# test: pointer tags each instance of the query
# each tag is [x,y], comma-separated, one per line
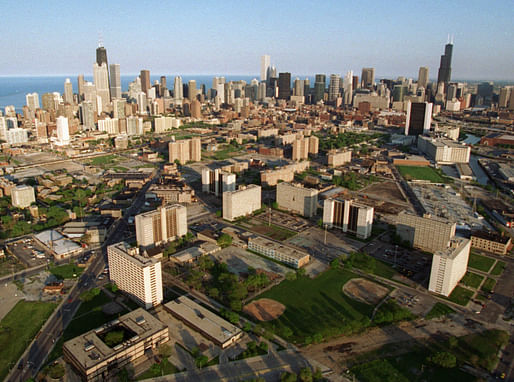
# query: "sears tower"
[101,55]
[445,69]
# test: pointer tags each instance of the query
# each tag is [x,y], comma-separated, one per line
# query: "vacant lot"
[18,328]
[317,308]
[273,231]
[67,271]
[388,191]
[439,310]
[420,173]
[482,263]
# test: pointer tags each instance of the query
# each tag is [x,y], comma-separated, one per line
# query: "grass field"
[439,310]
[498,268]
[273,231]
[66,271]
[317,307]
[420,173]
[488,285]
[158,370]
[107,159]
[460,296]
[472,280]
[482,263]
[18,328]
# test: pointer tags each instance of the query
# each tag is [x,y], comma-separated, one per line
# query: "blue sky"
[302,37]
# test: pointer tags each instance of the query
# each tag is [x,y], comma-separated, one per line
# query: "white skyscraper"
[142,103]
[265,64]
[63,131]
[101,78]
[68,91]
[32,100]
[178,92]
[115,81]
[333,87]
[348,88]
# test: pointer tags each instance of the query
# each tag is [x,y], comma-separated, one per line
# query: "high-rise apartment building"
[368,77]
[297,199]
[22,196]
[319,87]
[445,67]
[265,64]
[217,181]
[63,131]
[449,266]
[87,115]
[178,91]
[423,77]
[115,81]
[419,118]
[139,276]
[333,87]
[32,100]
[301,148]
[145,81]
[164,224]
[68,91]
[185,150]
[241,202]
[284,86]
[348,215]
[427,233]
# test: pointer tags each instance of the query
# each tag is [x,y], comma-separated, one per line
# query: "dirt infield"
[265,309]
[365,291]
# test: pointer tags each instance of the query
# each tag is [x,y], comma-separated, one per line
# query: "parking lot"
[294,223]
[28,252]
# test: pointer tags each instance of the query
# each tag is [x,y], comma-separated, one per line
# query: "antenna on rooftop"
[100,40]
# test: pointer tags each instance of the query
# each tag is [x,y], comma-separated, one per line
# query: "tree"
[334,264]
[224,240]
[287,332]
[56,371]
[165,350]
[300,272]
[443,359]
[113,338]
[288,377]
[306,375]
[290,276]
[201,361]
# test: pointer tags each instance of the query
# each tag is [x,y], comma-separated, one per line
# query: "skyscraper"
[63,131]
[32,101]
[145,81]
[333,87]
[419,118]
[101,78]
[115,81]
[423,77]
[284,85]
[348,88]
[68,91]
[191,90]
[368,77]
[445,68]
[80,82]
[161,225]
[163,90]
[265,64]
[178,89]
[101,55]
[319,87]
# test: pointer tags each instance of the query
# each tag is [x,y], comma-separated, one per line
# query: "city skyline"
[333,39]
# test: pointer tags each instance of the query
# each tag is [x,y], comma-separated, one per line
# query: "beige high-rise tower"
[161,225]
[186,150]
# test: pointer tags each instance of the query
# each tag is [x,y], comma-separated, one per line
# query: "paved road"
[35,355]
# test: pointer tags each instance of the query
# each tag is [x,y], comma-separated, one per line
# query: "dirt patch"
[265,309]
[387,191]
[365,291]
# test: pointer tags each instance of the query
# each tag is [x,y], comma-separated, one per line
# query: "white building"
[449,266]
[134,125]
[32,100]
[349,216]
[16,136]
[109,125]
[68,91]
[178,92]
[22,196]
[265,64]
[139,276]
[63,131]
[241,202]
[101,79]
[163,124]
[444,150]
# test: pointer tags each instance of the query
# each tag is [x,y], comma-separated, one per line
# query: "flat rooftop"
[132,254]
[89,349]
[204,320]
[283,249]
[455,249]
[491,236]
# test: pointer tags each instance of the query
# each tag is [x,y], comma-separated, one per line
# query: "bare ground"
[365,291]
[265,309]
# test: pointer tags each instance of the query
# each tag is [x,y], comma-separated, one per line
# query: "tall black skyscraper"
[284,86]
[319,87]
[445,69]
[101,55]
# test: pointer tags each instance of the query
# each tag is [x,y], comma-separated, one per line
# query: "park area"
[482,263]
[18,328]
[316,309]
[421,173]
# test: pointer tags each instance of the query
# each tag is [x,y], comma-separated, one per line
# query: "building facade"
[241,202]
[298,199]
[285,254]
[491,242]
[164,224]
[22,196]
[187,150]
[348,215]
[217,181]
[338,158]
[444,150]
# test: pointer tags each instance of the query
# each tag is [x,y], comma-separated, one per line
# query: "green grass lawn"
[498,268]
[488,285]
[420,173]
[317,307]
[18,328]
[481,350]
[369,264]
[439,310]
[66,271]
[482,263]
[460,296]
[158,370]
[472,280]
[274,231]
[103,160]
